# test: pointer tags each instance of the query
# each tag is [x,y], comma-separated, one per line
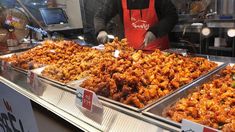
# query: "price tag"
[189,126]
[5,66]
[88,100]
[36,85]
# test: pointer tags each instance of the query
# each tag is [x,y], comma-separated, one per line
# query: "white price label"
[88,100]
[189,126]
[35,84]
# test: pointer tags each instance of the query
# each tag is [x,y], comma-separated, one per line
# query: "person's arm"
[104,15]
[167,16]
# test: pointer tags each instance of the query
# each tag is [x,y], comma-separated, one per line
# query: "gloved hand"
[149,37]
[102,37]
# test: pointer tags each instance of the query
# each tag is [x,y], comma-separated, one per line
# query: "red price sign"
[87,100]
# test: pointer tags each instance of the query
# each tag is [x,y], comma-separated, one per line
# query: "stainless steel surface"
[71,85]
[61,101]
[48,105]
[226,7]
[222,59]
[220,23]
[38,71]
[14,67]
[156,111]
[6,55]
[187,28]
[19,69]
[9,55]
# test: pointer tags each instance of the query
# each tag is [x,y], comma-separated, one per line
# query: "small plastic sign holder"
[87,99]
[36,86]
[189,126]
[5,66]
[89,104]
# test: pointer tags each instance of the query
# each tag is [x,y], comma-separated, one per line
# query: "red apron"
[135,26]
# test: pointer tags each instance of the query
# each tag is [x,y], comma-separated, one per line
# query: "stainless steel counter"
[61,101]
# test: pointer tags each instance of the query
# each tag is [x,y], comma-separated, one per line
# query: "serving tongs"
[182,52]
[142,46]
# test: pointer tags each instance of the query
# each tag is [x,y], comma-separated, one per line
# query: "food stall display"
[133,77]
[105,87]
[80,64]
[211,105]
[138,79]
[123,77]
[49,52]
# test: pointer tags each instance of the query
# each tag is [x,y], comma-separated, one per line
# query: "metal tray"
[13,66]
[71,84]
[6,55]
[119,104]
[157,111]
[38,71]
[76,84]
[19,69]
[9,55]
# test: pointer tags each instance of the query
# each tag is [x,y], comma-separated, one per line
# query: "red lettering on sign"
[87,99]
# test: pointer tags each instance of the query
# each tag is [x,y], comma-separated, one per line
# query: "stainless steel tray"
[19,53]
[6,55]
[71,84]
[119,104]
[13,66]
[38,71]
[156,111]
[19,69]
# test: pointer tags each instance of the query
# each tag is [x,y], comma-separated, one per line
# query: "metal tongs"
[142,46]
[39,30]
[182,52]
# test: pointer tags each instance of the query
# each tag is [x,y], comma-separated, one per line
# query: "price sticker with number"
[87,99]
[189,126]
[36,86]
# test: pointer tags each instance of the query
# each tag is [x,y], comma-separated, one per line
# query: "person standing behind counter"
[146,22]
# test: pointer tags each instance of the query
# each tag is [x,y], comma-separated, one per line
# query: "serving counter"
[60,100]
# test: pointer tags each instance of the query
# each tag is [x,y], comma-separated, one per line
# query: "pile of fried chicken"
[213,104]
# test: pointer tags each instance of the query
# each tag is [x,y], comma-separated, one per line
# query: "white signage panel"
[16,114]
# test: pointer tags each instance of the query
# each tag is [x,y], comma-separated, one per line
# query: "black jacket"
[166,12]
